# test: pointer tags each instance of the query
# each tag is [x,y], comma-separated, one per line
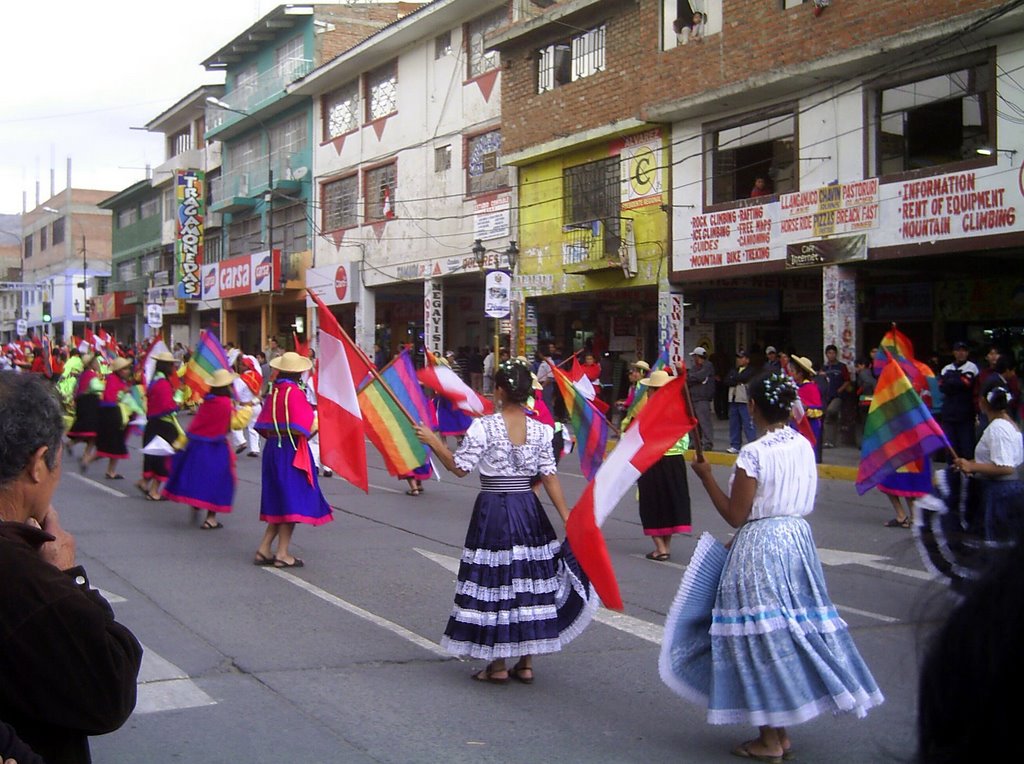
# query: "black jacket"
[68,668]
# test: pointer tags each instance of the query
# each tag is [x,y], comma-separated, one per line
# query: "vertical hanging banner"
[433,316]
[190,194]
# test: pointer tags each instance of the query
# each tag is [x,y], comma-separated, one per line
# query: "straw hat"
[87,359]
[163,355]
[222,378]
[536,382]
[119,363]
[804,363]
[291,362]
[643,366]
[660,378]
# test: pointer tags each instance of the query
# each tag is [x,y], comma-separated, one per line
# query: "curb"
[825,471]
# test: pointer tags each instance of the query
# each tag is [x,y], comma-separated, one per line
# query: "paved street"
[338,661]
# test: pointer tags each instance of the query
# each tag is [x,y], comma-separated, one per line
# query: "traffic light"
[47,312]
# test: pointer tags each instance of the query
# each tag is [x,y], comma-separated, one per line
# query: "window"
[442,158]
[382,91]
[483,163]
[27,244]
[57,232]
[244,236]
[149,208]
[443,45]
[340,203]
[739,154]
[591,191]
[151,263]
[678,20]
[245,84]
[179,143]
[569,60]
[42,239]
[288,138]
[932,120]
[126,270]
[213,247]
[170,204]
[341,110]
[288,59]
[481,60]
[792,3]
[379,185]
[291,229]
[127,217]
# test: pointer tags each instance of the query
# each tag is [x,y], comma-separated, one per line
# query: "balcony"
[241,189]
[595,245]
[262,93]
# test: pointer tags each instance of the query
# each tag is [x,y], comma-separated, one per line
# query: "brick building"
[886,142]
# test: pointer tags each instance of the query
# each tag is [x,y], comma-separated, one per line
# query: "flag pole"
[698,446]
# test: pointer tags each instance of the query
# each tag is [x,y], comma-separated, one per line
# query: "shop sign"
[642,169]
[336,284]
[154,315]
[491,216]
[810,254]
[190,195]
[734,237]
[433,315]
[210,282]
[834,209]
[248,274]
[498,294]
[107,307]
[530,336]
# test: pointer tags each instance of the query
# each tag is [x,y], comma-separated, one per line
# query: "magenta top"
[114,387]
[286,409]
[84,380]
[213,419]
[160,398]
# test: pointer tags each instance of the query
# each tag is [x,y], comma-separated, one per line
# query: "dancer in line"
[203,474]
[779,652]
[116,408]
[161,422]
[87,409]
[519,592]
[291,491]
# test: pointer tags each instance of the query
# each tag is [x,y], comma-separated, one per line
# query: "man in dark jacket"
[68,668]
[701,382]
[957,382]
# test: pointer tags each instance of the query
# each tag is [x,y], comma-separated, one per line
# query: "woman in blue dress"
[291,492]
[779,652]
[520,592]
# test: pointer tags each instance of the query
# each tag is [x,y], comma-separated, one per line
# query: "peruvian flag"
[659,425]
[387,208]
[582,382]
[802,422]
[446,383]
[342,434]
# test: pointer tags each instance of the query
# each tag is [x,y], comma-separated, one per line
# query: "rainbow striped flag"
[640,397]
[400,376]
[588,423]
[207,358]
[899,429]
[389,423]
[922,378]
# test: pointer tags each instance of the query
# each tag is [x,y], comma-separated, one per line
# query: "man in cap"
[701,382]
[957,381]
[772,362]
[740,423]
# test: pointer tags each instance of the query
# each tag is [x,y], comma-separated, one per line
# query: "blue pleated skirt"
[519,592]
[780,653]
[288,496]
[203,474]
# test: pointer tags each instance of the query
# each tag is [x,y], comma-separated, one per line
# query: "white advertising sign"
[498,294]
[154,315]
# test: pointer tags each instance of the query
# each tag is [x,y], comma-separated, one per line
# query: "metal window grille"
[380,185]
[591,191]
[485,171]
[569,60]
[382,91]
[588,53]
[342,109]
[340,203]
[481,60]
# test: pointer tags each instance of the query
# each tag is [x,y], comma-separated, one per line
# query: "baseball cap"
[699,351]
[770,349]
[960,345]
[741,354]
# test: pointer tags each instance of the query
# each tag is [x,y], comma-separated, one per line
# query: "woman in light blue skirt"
[777,652]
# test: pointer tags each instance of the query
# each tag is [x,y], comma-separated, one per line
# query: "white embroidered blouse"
[486,445]
[782,463]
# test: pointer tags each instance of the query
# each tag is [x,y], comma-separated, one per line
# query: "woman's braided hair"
[774,394]
[514,377]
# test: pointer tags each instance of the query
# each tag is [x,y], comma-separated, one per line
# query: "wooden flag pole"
[698,446]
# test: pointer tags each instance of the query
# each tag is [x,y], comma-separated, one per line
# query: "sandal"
[295,563]
[412,492]
[262,560]
[894,523]
[658,557]
[114,477]
[208,526]
[486,675]
[744,752]
[517,674]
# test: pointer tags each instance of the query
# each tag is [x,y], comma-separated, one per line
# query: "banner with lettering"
[190,194]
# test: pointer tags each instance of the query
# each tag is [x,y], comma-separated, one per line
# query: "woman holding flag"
[519,592]
[291,492]
[776,653]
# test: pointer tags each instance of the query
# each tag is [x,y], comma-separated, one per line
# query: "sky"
[77,76]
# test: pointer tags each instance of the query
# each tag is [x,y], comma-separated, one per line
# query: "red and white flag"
[149,365]
[446,383]
[659,425]
[803,422]
[342,434]
[387,208]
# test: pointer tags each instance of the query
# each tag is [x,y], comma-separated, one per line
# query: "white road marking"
[877,562]
[96,484]
[663,563]
[366,615]
[637,627]
[868,614]
[163,686]
[386,488]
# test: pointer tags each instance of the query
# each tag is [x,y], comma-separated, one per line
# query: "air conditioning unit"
[627,250]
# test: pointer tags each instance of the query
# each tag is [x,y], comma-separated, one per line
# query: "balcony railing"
[257,93]
[592,245]
[251,179]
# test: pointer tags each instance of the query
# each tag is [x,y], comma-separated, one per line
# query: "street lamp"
[85,265]
[268,198]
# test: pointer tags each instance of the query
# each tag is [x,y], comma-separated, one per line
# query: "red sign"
[235,276]
[341,282]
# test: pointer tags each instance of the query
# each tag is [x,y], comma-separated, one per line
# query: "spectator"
[772,361]
[835,377]
[864,383]
[760,187]
[379,356]
[69,669]
[274,350]
[957,382]
[740,423]
[690,31]
[720,362]
[701,382]
[488,373]
[475,367]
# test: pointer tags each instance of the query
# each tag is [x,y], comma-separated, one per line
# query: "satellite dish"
[299,173]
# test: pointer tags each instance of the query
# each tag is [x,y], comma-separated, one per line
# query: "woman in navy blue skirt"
[520,592]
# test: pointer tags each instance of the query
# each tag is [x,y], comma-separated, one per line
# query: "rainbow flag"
[899,429]
[207,358]
[588,423]
[388,422]
[640,398]
[896,344]
[400,376]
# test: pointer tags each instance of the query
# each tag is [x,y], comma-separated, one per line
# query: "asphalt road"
[339,662]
